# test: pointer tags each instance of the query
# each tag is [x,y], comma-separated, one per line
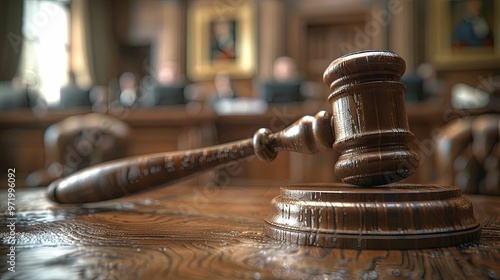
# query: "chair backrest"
[72,96]
[81,141]
[12,98]
[468,154]
[78,142]
[169,95]
[282,92]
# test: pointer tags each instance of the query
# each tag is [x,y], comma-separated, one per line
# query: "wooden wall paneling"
[398,19]
[271,34]
[318,33]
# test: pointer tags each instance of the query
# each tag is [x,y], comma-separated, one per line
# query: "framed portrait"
[464,34]
[221,37]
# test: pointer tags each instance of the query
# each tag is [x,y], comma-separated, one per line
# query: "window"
[44,58]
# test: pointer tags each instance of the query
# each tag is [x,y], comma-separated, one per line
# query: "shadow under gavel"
[368,126]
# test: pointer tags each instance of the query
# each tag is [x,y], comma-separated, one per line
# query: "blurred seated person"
[286,85]
[167,90]
[414,87]
[423,83]
[225,101]
[71,95]
[223,86]
[432,85]
[223,89]
[14,95]
[99,99]
[129,90]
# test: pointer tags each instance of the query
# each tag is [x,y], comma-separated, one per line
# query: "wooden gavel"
[369,127]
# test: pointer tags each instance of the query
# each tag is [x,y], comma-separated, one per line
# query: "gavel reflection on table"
[368,126]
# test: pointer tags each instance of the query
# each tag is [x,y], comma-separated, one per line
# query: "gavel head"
[370,122]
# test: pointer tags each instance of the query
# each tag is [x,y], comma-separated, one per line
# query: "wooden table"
[211,232]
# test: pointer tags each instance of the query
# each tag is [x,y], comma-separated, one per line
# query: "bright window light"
[44,59]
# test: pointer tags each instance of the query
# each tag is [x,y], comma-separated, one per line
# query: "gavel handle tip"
[51,191]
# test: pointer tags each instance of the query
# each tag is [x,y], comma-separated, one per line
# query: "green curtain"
[11,16]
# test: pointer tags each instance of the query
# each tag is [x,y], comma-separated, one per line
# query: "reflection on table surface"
[207,232]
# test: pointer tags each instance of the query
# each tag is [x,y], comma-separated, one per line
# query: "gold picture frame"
[221,37]
[453,44]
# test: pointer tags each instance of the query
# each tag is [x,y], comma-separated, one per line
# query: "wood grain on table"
[212,232]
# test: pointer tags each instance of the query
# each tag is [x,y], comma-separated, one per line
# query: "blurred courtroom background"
[163,75]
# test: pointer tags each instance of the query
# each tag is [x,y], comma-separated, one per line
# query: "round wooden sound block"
[400,216]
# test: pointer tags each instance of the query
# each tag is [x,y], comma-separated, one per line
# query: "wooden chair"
[468,154]
[78,142]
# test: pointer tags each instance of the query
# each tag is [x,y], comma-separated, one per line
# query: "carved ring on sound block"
[399,216]
[372,136]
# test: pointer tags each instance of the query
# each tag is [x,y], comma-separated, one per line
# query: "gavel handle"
[136,174]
